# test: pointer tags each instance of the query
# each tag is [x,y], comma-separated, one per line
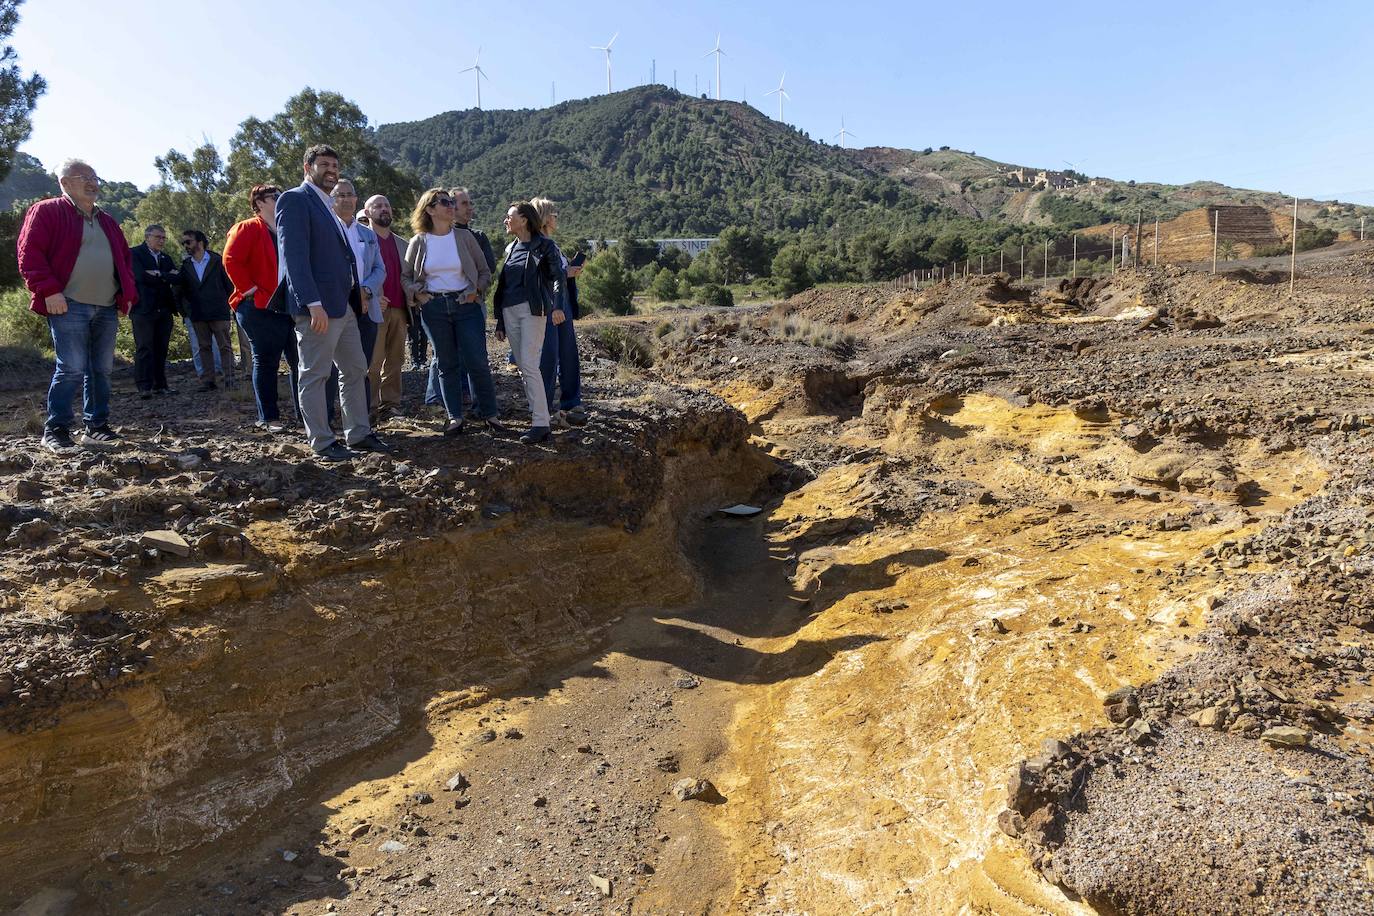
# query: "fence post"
[1216,230]
[1075,256]
[1047,259]
[1023,262]
[1135,255]
[1156,241]
[1113,258]
[982,258]
[1293,253]
[1001,262]
[1361,228]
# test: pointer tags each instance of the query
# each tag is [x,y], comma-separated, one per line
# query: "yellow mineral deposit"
[874,785]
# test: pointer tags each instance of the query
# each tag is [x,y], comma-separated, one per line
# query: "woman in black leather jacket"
[530,286]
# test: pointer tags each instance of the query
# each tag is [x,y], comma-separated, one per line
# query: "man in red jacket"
[77,267]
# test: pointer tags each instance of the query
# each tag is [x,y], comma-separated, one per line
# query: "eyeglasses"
[444,202]
[86,179]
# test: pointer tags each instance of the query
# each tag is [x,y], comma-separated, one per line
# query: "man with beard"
[389,353]
[323,295]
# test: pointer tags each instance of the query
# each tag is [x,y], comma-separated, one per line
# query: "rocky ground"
[1057,600]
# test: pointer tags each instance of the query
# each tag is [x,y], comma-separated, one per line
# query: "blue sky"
[1265,94]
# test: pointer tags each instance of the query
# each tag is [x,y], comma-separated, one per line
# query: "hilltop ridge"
[654,161]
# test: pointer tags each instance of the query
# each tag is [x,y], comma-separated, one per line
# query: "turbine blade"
[613,38]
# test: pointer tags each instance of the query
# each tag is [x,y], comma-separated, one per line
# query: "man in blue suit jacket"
[320,277]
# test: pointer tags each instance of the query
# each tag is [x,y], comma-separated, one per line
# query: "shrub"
[624,344]
[665,286]
[1315,238]
[713,294]
[606,284]
[791,274]
[20,327]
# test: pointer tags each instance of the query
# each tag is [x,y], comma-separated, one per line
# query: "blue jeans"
[458,333]
[432,395]
[195,350]
[559,357]
[273,335]
[83,338]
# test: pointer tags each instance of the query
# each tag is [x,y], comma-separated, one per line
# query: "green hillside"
[651,161]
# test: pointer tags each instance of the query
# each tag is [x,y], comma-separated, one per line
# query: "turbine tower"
[607,49]
[844,133]
[478,74]
[717,52]
[781,93]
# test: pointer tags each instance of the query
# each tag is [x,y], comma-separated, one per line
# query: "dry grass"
[812,334]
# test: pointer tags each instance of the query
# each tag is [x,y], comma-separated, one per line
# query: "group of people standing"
[313,280]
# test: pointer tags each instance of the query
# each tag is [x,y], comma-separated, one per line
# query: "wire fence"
[1228,234]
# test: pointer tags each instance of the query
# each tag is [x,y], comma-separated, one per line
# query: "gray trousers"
[212,336]
[339,346]
[526,335]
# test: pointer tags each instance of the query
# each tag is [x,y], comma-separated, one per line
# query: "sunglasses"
[442,202]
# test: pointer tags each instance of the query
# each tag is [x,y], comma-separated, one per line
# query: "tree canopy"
[18,93]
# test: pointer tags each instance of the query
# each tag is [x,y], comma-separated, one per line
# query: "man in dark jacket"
[153,317]
[205,291]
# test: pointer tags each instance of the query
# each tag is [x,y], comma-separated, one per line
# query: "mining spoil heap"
[1057,601]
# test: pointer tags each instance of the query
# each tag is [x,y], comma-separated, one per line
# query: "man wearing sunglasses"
[77,267]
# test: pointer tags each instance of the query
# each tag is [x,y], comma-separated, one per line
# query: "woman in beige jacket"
[445,271]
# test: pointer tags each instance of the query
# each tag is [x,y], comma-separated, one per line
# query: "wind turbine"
[607,49]
[717,52]
[478,74]
[781,93]
[844,133]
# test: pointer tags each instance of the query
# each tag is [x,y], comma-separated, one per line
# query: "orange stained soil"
[873,785]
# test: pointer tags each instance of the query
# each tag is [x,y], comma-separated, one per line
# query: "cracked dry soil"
[1058,602]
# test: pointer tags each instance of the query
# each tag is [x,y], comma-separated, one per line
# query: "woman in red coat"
[250,259]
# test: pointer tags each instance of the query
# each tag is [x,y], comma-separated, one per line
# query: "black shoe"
[535,435]
[575,416]
[164,392]
[335,451]
[370,443]
[208,385]
[144,394]
[99,435]
[455,427]
[493,426]
[57,440]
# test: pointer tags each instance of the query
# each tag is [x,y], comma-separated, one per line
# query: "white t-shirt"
[444,264]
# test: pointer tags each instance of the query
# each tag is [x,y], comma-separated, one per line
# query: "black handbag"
[278,301]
